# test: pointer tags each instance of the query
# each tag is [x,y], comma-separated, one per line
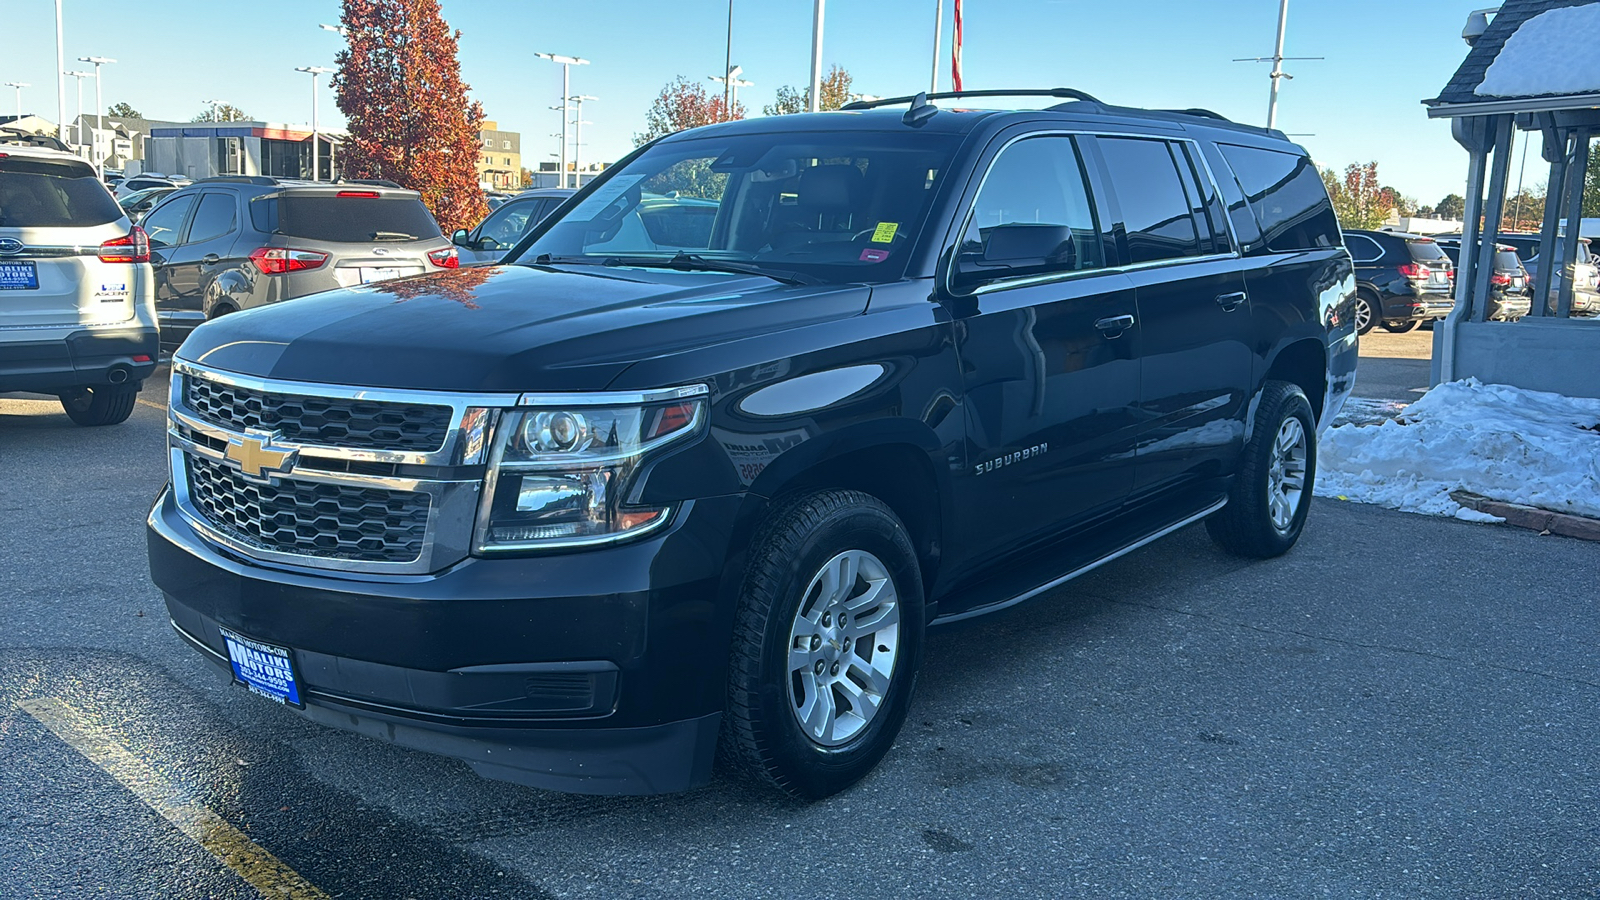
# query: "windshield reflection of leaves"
[458,286]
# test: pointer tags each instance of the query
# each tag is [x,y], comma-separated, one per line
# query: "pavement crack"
[1410,651]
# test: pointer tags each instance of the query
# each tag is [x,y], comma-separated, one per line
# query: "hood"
[507,328]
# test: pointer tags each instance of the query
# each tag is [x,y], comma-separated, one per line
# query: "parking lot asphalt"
[1400,707]
[1394,366]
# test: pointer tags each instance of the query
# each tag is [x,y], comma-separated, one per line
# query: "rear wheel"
[101,404]
[1271,495]
[826,644]
[1402,327]
[1366,312]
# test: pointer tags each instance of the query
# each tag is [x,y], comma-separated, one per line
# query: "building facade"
[204,149]
[499,158]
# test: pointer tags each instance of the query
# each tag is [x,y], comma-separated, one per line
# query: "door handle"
[1114,326]
[211,259]
[1231,302]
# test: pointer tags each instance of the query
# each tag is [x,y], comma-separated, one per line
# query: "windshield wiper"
[689,262]
[392,236]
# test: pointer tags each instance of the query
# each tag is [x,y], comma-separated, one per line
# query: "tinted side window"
[1288,197]
[1210,208]
[213,219]
[164,222]
[1033,214]
[1362,248]
[1155,209]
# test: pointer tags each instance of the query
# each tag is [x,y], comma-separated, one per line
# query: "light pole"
[340,30]
[567,62]
[99,110]
[61,79]
[316,154]
[1277,58]
[730,90]
[816,58]
[19,85]
[577,139]
[80,76]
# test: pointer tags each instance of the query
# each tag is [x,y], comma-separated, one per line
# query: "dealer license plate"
[370,274]
[263,668]
[18,276]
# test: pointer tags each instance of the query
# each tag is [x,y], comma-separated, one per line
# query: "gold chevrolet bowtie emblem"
[256,459]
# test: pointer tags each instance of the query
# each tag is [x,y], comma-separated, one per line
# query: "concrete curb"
[1531,517]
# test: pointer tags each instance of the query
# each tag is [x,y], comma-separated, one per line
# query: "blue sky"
[1361,103]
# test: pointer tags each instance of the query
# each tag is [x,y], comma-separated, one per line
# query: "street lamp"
[577,139]
[19,85]
[80,76]
[99,110]
[316,154]
[731,83]
[214,104]
[566,62]
[337,29]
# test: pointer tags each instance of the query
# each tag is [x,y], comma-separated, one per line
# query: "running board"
[1083,569]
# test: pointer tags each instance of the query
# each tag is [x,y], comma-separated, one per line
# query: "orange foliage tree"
[685,104]
[400,89]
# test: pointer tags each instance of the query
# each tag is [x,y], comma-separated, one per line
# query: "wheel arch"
[1303,362]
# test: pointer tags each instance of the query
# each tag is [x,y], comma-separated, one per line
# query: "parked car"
[149,180]
[1509,291]
[585,517]
[240,241]
[76,313]
[501,229]
[1584,273]
[1402,280]
[138,203]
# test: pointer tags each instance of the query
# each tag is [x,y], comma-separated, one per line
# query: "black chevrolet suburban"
[644,497]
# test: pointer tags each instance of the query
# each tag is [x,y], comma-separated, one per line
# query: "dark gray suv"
[241,241]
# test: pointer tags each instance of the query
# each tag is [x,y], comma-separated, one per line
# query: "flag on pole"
[955,55]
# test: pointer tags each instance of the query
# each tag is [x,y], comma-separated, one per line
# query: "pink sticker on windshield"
[871,255]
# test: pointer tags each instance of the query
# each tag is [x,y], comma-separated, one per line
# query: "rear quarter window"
[1507,259]
[346,220]
[1287,195]
[42,193]
[1425,251]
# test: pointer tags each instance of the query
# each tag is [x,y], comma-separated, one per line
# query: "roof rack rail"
[18,137]
[237,179]
[1197,111]
[1063,93]
[374,182]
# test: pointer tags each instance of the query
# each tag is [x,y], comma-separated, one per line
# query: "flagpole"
[814,101]
[938,41]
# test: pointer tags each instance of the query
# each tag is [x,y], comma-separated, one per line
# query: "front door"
[1047,339]
[164,227]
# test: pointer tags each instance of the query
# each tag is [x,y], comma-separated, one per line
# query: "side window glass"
[1033,216]
[505,225]
[1288,197]
[214,218]
[164,221]
[1209,211]
[1156,212]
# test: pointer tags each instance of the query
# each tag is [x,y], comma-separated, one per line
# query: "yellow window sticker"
[884,233]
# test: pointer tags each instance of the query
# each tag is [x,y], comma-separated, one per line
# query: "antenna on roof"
[921,110]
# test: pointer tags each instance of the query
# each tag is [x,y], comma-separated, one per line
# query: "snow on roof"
[1551,53]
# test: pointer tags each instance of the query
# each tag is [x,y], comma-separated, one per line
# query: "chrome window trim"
[1031,280]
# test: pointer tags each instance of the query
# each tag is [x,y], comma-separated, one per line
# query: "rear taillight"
[1500,278]
[1414,270]
[446,258]
[135,248]
[278,260]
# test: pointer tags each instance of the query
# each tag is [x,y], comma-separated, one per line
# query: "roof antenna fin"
[921,110]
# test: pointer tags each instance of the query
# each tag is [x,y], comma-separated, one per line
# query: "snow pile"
[1551,53]
[1505,443]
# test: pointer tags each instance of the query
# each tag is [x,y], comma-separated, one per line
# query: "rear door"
[54,214]
[1047,349]
[207,246]
[164,227]
[1194,313]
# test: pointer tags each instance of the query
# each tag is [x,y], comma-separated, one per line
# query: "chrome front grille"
[320,476]
[326,521]
[334,421]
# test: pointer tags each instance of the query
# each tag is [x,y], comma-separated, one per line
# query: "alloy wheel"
[1363,314]
[1286,475]
[842,647]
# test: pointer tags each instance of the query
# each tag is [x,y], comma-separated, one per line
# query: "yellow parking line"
[152,404]
[244,856]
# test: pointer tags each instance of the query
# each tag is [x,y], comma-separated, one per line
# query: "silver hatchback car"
[236,242]
[76,313]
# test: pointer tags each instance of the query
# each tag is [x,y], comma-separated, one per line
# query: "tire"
[1265,514]
[787,728]
[1366,313]
[1402,327]
[100,405]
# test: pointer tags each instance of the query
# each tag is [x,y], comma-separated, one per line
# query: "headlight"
[561,469]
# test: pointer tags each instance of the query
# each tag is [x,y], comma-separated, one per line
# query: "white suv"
[77,295]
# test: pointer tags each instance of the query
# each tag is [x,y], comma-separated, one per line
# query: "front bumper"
[600,671]
[83,358]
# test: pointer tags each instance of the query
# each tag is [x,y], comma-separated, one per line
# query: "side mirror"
[1017,249]
[460,237]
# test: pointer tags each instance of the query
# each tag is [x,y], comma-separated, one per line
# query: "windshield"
[45,193]
[834,207]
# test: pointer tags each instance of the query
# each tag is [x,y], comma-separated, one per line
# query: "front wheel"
[826,644]
[100,405]
[1271,495]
